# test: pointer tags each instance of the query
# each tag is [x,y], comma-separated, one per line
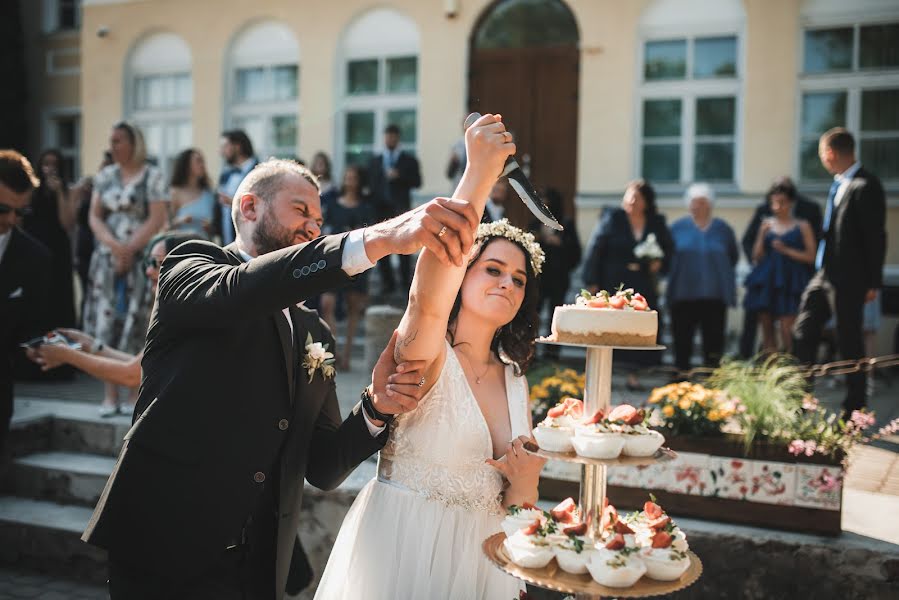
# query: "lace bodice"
[438,450]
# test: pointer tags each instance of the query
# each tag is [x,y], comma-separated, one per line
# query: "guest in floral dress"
[128,206]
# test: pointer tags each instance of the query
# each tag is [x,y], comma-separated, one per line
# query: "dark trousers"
[709,316]
[819,301]
[748,336]
[6,396]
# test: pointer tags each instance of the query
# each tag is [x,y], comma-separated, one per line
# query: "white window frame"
[51,139]
[852,82]
[688,90]
[266,109]
[380,103]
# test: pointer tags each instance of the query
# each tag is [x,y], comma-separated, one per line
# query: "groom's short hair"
[266,179]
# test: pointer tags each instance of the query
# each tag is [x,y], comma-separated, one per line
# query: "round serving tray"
[661,455]
[551,577]
[546,340]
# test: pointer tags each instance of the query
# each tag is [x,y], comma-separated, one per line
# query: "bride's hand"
[397,388]
[521,468]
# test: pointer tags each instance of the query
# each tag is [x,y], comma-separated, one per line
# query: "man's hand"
[445,226]
[396,388]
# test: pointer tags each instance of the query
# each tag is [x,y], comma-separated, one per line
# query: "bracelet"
[369,407]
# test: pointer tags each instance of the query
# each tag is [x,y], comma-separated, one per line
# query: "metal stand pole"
[597,395]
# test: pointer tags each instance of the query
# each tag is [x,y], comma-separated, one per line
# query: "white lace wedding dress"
[415,532]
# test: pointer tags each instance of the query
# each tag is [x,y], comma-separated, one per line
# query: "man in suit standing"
[24,276]
[205,496]
[849,262]
[804,208]
[393,175]
[236,150]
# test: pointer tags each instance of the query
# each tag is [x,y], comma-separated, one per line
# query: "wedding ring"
[442,231]
[421,382]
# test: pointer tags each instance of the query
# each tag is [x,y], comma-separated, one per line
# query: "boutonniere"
[318,357]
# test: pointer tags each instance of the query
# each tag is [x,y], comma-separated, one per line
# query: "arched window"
[263,88]
[379,84]
[850,78]
[160,95]
[526,24]
[690,91]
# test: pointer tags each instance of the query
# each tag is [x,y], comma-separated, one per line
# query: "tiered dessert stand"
[597,395]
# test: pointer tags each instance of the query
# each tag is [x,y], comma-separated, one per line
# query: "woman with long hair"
[451,465]
[193,203]
[128,207]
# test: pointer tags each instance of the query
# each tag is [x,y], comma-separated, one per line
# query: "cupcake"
[652,521]
[597,438]
[664,563]
[529,547]
[639,440]
[554,433]
[519,517]
[573,549]
[617,564]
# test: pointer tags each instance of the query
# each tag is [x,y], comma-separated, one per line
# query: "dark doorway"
[525,66]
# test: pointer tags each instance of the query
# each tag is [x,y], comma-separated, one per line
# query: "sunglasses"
[5,209]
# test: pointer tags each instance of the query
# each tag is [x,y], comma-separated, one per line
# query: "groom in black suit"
[849,260]
[204,501]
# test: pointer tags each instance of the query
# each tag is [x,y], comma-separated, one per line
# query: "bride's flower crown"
[503,228]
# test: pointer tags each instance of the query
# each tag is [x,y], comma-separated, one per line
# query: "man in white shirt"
[236,150]
[849,261]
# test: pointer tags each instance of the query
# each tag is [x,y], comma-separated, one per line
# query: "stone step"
[72,427]
[46,537]
[66,477]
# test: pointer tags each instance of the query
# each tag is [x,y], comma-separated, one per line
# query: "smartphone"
[33,343]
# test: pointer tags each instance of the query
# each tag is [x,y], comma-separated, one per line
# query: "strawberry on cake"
[529,547]
[604,319]
[555,431]
[519,517]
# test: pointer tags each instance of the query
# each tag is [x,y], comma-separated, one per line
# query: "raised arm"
[423,328]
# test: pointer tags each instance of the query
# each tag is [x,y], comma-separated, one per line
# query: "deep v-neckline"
[485,427]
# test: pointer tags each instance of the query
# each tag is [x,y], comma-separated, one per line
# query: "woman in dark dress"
[783,255]
[563,253]
[350,210]
[611,260]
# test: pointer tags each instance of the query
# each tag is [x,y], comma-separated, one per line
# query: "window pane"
[284,132]
[251,85]
[402,75]
[362,77]
[358,157]
[661,118]
[828,50]
[68,13]
[809,163]
[254,127]
[714,162]
[715,116]
[715,57]
[360,128]
[880,110]
[153,139]
[879,46]
[882,157]
[183,92]
[285,82]
[405,120]
[661,162]
[66,133]
[665,60]
[527,24]
[821,111]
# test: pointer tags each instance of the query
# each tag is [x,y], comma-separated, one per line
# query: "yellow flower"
[685,403]
[714,415]
[668,411]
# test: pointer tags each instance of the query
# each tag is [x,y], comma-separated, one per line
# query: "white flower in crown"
[318,358]
[503,228]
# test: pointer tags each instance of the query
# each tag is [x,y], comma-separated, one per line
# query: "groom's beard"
[270,235]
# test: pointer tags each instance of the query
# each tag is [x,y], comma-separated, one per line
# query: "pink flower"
[810,447]
[861,419]
[828,482]
[796,447]
[890,428]
[810,403]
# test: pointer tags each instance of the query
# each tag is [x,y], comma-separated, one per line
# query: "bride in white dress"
[452,464]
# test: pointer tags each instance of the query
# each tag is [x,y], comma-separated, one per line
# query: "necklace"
[477,378]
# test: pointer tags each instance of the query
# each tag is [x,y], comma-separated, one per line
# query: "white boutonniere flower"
[318,358]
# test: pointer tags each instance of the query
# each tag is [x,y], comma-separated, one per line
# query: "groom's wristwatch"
[373,413]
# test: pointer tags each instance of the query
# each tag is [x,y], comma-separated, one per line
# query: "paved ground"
[15,584]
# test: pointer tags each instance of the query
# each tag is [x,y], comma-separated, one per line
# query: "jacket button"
[297,273]
[259,477]
[313,267]
[283,424]
[305,270]
[322,264]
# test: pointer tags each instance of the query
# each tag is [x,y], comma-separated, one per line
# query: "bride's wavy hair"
[516,338]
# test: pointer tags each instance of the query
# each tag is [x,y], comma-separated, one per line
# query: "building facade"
[598,92]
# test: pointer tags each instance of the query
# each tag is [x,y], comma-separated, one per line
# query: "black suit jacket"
[856,240]
[24,292]
[223,405]
[805,209]
[393,197]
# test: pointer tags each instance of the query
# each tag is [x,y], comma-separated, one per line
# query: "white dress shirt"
[845,178]
[4,242]
[354,260]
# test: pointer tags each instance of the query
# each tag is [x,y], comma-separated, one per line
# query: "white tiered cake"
[623,319]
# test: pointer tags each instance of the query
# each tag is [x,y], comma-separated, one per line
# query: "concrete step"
[46,537]
[73,427]
[66,477]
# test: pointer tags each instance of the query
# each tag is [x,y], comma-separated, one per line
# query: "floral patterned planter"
[713,478]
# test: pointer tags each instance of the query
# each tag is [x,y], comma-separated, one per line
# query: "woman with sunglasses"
[96,358]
